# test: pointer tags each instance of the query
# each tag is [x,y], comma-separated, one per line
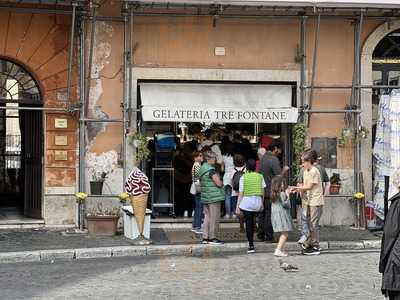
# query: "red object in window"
[266,140]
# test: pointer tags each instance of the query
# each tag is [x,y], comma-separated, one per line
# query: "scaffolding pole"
[82,94]
[357,102]
[314,64]
[49,109]
[359,86]
[90,57]
[303,61]
[125,91]
[71,53]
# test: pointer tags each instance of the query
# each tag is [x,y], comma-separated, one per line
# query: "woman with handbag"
[195,191]
[250,201]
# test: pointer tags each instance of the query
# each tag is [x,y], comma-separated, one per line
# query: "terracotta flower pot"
[334,189]
[102,225]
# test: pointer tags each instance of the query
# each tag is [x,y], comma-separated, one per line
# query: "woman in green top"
[212,194]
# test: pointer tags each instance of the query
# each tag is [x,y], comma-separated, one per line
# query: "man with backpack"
[270,166]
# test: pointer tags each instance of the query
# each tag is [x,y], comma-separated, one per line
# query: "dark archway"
[21,140]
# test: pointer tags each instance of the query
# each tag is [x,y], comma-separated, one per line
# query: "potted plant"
[101,221]
[335,181]
[100,167]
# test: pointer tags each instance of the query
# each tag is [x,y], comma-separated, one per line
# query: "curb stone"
[166,250]
[59,254]
[84,253]
[121,251]
[16,257]
[345,245]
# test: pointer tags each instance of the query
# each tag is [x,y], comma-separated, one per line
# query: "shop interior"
[169,168]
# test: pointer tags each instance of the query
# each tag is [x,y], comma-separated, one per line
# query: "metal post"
[356,100]
[303,61]
[386,198]
[314,65]
[124,97]
[82,143]
[130,66]
[71,53]
[90,58]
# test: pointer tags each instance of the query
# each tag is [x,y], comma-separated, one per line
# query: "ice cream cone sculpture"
[138,187]
[139,205]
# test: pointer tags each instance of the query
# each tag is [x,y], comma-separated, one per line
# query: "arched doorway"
[21,142]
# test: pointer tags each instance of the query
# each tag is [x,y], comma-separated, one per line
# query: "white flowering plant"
[100,166]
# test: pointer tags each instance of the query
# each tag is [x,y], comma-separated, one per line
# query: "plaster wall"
[189,43]
[39,42]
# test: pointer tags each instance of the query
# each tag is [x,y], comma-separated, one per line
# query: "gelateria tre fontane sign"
[217,102]
[220,115]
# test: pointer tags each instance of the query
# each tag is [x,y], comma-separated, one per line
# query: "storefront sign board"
[219,115]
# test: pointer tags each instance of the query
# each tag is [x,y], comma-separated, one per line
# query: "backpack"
[236,179]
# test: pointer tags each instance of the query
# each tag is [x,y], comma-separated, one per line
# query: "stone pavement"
[341,276]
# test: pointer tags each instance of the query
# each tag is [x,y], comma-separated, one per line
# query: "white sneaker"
[227,216]
[185,214]
[302,239]
[280,253]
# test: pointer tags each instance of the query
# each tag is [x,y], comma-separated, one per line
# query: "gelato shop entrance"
[180,119]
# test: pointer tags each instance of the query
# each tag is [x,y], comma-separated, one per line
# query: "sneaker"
[302,239]
[198,231]
[205,241]
[227,216]
[280,253]
[215,242]
[185,214]
[312,251]
[251,250]
[193,230]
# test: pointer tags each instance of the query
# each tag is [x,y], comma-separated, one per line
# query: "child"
[195,191]
[312,203]
[250,202]
[280,213]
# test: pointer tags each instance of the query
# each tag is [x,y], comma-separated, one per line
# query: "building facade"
[327,55]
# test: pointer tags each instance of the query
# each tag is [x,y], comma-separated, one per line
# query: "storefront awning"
[217,103]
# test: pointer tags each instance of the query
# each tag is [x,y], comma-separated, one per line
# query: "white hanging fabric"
[386,148]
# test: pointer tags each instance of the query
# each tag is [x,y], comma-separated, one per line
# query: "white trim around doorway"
[366,98]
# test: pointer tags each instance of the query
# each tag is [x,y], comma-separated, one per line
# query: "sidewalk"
[48,245]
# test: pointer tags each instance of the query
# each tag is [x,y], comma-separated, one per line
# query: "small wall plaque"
[61,140]
[61,123]
[61,155]
[219,51]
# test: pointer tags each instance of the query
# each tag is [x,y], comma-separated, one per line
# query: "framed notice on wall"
[61,140]
[60,123]
[61,155]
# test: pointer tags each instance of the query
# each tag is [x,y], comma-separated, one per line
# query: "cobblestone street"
[333,275]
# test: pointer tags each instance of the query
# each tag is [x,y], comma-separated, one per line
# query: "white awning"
[217,103]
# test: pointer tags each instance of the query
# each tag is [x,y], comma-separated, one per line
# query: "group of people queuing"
[253,188]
